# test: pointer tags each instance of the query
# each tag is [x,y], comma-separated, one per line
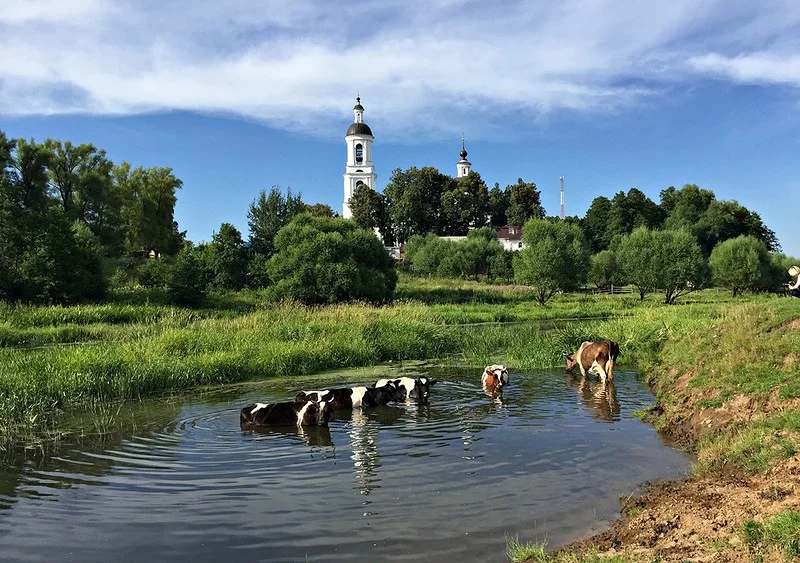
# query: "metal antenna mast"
[562,196]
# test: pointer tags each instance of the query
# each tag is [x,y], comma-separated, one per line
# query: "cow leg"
[599,369]
[610,369]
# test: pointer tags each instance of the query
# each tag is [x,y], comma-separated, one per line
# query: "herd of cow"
[314,408]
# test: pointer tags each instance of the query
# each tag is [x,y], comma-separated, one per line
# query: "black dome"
[463,153]
[358,107]
[359,129]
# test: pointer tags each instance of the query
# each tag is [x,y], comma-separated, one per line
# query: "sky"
[237,96]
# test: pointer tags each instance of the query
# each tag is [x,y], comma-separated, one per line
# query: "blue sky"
[240,95]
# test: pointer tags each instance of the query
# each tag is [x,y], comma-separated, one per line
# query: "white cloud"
[420,66]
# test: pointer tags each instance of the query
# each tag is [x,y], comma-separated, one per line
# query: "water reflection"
[181,480]
[602,399]
[309,435]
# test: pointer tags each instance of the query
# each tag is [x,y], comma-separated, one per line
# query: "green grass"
[780,533]
[536,552]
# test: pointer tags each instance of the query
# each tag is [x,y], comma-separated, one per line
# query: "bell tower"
[463,166]
[359,168]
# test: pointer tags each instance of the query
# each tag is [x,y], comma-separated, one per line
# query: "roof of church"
[359,129]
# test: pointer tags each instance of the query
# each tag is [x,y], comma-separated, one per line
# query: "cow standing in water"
[597,357]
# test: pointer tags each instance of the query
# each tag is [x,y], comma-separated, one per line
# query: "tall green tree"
[228,258]
[604,271]
[499,200]
[414,199]
[555,258]
[81,179]
[724,220]
[632,210]
[670,261]
[369,212]
[465,205]
[740,264]
[685,207]
[595,224]
[45,258]
[148,197]
[524,203]
[322,260]
[268,214]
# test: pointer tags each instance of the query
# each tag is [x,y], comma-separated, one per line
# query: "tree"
[45,258]
[369,212]
[228,259]
[662,260]
[524,203]
[604,271]
[186,284]
[318,209]
[414,199]
[148,197]
[555,258]
[322,260]
[632,210]
[740,264]
[424,254]
[724,220]
[268,214]
[595,224]
[81,178]
[499,200]
[685,207]
[465,204]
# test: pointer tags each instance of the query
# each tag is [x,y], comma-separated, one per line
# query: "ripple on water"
[457,475]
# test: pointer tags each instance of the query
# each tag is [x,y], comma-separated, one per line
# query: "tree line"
[67,212]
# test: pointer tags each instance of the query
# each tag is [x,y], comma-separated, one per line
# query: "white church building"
[360,169]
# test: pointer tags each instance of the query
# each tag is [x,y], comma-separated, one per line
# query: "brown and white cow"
[595,356]
[494,377]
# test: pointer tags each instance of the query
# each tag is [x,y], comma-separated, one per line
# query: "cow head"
[390,393]
[423,386]
[571,362]
[315,396]
[316,414]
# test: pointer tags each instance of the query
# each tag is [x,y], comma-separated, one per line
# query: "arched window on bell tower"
[359,153]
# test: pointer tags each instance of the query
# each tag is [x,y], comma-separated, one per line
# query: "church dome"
[463,153]
[359,129]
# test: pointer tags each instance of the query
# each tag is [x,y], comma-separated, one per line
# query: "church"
[360,169]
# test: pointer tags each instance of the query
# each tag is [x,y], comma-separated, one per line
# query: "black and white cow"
[309,413]
[408,387]
[352,397]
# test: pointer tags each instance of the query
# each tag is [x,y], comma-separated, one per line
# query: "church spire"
[463,166]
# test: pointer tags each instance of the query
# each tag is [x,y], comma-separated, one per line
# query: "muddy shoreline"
[700,518]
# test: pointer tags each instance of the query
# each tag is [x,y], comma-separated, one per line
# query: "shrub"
[330,260]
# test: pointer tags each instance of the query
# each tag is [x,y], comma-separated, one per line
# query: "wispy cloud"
[422,67]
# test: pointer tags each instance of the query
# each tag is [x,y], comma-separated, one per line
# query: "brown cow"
[595,356]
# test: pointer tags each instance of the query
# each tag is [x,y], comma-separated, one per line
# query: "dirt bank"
[703,517]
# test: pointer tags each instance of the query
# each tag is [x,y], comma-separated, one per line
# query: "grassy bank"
[54,359]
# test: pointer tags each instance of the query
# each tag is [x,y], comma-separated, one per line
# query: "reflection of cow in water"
[310,435]
[602,398]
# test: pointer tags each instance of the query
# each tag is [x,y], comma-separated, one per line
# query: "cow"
[352,397]
[409,388]
[310,413]
[595,356]
[494,377]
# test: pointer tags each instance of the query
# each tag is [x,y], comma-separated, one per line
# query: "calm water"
[179,480]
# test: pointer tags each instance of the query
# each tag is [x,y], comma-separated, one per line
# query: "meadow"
[59,359]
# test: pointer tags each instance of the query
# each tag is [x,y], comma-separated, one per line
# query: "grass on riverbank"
[780,534]
[518,552]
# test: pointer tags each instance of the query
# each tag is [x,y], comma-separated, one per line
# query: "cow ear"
[431,381]
[301,397]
